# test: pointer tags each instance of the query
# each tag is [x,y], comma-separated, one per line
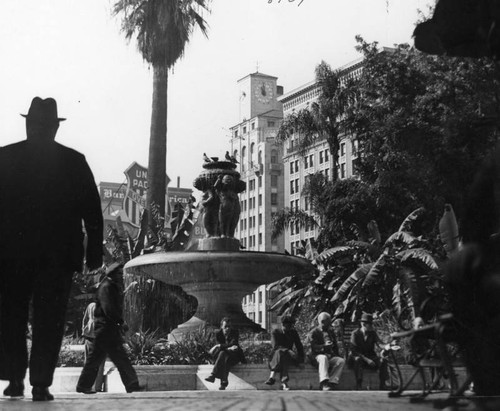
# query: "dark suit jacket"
[316,339]
[46,190]
[232,339]
[364,347]
[288,339]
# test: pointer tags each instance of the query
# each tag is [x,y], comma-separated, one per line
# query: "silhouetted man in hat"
[46,191]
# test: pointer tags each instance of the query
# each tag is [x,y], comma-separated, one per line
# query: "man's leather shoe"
[325,385]
[210,378]
[41,394]
[15,389]
[135,388]
[270,381]
[85,390]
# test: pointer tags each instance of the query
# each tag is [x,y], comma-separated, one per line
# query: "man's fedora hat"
[43,111]
[366,318]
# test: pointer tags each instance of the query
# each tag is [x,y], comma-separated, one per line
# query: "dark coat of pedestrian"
[284,341]
[227,352]
[109,329]
[47,195]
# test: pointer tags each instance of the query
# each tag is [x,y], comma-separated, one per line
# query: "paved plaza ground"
[226,400]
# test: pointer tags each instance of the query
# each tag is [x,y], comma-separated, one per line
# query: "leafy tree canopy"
[424,124]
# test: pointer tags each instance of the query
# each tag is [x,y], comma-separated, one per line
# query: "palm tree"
[162,29]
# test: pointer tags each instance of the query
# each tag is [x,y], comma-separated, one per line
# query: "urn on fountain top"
[221,184]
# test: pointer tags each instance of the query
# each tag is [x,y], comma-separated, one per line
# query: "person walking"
[283,341]
[324,353]
[109,327]
[88,332]
[46,191]
[227,352]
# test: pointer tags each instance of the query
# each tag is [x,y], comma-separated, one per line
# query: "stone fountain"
[218,274]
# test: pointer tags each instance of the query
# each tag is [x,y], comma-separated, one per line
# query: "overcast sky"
[73,50]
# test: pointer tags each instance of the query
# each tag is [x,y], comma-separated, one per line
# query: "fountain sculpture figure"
[218,274]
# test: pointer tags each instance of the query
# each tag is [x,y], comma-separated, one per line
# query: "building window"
[244,129]
[355,148]
[260,199]
[274,181]
[297,185]
[260,219]
[311,162]
[306,203]
[260,317]
[327,172]
[342,170]
[260,238]
[253,126]
[271,123]
[291,204]
[306,162]
[321,157]
[296,166]
[291,167]
[260,181]
[326,155]
[292,229]
[274,198]
[274,156]
[342,150]
[236,134]
[291,187]
[252,185]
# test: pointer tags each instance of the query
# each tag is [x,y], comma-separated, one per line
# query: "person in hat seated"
[108,329]
[227,352]
[283,341]
[324,353]
[47,191]
[363,342]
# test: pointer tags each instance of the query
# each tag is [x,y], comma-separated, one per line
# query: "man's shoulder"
[69,151]
[10,148]
[356,331]
[315,331]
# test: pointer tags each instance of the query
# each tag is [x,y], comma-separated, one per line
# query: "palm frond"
[399,236]
[419,255]
[410,220]
[353,279]
[334,253]
[376,271]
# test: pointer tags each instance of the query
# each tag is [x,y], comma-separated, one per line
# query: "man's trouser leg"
[96,356]
[323,365]
[50,299]
[99,380]
[119,357]
[337,365]
[16,289]
[357,363]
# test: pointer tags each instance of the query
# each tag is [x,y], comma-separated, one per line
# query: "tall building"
[253,143]
[317,158]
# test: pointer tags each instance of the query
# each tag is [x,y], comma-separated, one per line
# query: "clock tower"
[257,95]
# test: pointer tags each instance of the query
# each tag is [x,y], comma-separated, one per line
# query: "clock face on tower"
[263,91]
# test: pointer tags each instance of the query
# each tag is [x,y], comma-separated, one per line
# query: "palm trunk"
[158,143]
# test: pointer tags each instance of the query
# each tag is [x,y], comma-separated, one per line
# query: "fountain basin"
[218,279]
